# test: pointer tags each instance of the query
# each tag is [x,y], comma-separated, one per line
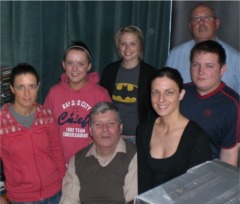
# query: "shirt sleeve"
[105,96]
[230,129]
[57,148]
[130,183]
[71,186]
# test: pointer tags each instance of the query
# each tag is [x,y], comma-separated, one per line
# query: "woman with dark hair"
[169,144]
[30,148]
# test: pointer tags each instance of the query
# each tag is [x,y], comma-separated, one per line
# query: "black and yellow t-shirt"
[125,97]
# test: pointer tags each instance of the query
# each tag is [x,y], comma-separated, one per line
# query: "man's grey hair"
[103,107]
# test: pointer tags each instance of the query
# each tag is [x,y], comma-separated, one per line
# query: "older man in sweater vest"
[105,171]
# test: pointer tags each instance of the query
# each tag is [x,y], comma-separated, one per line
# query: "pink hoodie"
[71,109]
[32,157]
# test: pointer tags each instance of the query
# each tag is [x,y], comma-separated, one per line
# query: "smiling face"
[165,96]
[206,72]
[105,130]
[76,66]
[129,47]
[25,89]
[204,29]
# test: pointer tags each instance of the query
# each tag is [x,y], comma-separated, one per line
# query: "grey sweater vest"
[103,185]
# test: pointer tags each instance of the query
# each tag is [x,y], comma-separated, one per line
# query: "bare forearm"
[230,155]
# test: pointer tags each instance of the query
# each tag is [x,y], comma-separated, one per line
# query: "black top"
[193,149]
[146,71]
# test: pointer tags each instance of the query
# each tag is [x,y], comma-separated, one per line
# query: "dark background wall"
[38,32]
[227,11]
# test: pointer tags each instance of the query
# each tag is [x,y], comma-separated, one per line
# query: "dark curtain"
[37,32]
[227,11]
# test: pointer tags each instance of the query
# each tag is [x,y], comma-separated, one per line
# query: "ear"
[190,26]
[63,64]
[217,23]
[121,128]
[223,69]
[90,131]
[38,85]
[12,89]
[89,66]
[182,94]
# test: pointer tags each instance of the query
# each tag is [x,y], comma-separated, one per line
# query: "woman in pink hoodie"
[30,149]
[72,99]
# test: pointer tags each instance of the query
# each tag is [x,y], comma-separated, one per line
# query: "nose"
[200,70]
[105,126]
[161,97]
[26,91]
[127,47]
[202,20]
[74,67]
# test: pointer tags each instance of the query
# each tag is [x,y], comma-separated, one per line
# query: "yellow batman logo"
[125,93]
[130,87]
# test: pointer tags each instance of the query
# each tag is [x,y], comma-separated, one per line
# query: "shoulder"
[195,131]
[189,88]
[4,112]
[44,110]
[131,149]
[230,94]
[56,88]
[186,45]
[63,83]
[146,71]
[145,126]
[110,72]
[98,93]
[144,134]
[130,145]
[193,126]
[81,154]
[97,89]
[83,151]
[229,49]
[146,65]
[5,107]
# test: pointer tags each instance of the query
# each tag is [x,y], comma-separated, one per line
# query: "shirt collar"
[121,147]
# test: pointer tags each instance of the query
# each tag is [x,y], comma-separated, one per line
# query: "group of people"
[138,128]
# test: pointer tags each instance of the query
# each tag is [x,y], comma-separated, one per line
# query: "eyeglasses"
[201,18]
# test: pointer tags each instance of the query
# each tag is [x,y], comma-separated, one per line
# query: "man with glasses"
[203,24]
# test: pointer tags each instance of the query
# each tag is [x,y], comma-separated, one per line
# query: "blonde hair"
[130,29]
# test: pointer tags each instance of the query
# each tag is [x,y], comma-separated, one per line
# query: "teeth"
[162,106]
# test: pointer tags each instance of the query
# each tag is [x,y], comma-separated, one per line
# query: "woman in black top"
[170,144]
[128,80]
